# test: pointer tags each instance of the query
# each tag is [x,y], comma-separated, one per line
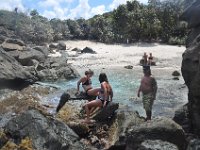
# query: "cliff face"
[191,64]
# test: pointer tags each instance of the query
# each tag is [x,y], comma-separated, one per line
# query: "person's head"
[150,54]
[89,73]
[147,70]
[103,78]
[145,54]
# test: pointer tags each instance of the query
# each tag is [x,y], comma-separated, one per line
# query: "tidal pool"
[171,93]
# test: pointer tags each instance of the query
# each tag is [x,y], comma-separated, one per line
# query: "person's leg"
[88,106]
[93,92]
[148,113]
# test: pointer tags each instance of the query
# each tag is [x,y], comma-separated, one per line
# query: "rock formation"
[45,133]
[191,66]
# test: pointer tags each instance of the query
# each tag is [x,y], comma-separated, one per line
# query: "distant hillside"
[157,21]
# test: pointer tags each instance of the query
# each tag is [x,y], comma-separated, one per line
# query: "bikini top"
[87,82]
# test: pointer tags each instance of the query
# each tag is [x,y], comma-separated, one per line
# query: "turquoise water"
[125,83]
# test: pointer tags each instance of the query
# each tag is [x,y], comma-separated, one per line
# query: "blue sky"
[64,9]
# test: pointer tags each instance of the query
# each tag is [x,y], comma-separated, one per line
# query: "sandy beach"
[124,54]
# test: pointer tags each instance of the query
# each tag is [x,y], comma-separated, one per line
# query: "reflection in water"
[125,83]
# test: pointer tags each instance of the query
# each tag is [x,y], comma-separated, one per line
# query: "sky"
[64,9]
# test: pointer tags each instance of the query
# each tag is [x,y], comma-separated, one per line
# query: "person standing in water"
[148,87]
[87,84]
[105,96]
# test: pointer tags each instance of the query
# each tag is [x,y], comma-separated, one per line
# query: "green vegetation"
[156,22]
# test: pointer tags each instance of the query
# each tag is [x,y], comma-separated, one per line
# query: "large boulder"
[61,46]
[107,112]
[163,129]
[190,64]
[12,74]
[13,44]
[29,54]
[54,69]
[45,133]
[88,50]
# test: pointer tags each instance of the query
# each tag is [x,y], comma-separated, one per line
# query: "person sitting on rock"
[150,59]
[87,84]
[105,96]
[148,88]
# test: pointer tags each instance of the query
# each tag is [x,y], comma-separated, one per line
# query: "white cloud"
[11,5]
[53,3]
[116,3]
[98,10]
[49,14]
[82,10]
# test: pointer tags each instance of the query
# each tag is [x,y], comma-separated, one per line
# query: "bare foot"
[88,121]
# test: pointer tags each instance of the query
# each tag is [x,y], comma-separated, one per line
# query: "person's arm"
[154,87]
[78,84]
[103,85]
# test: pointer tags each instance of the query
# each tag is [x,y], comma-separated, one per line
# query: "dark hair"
[89,72]
[103,78]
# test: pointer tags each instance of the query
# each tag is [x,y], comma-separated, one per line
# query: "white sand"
[119,55]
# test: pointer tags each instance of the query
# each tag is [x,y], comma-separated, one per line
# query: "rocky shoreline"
[25,122]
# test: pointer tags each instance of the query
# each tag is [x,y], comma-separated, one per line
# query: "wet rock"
[194,144]
[158,129]
[61,46]
[190,65]
[176,73]
[12,74]
[175,78]
[128,67]
[3,139]
[157,145]
[45,133]
[88,50]
[107,112]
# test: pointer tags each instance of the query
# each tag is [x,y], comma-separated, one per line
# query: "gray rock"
[128,67]
[2,38]
[191,15]
[158,129]
[107,112]
[45,133]
[61,46]
[176,73]
[76,50]
[52,46]
[43,49]
[88,50]
[29,54]
[13,44]
[15,41]
[194,144]
[157,145]
[190,65]
[12,73]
